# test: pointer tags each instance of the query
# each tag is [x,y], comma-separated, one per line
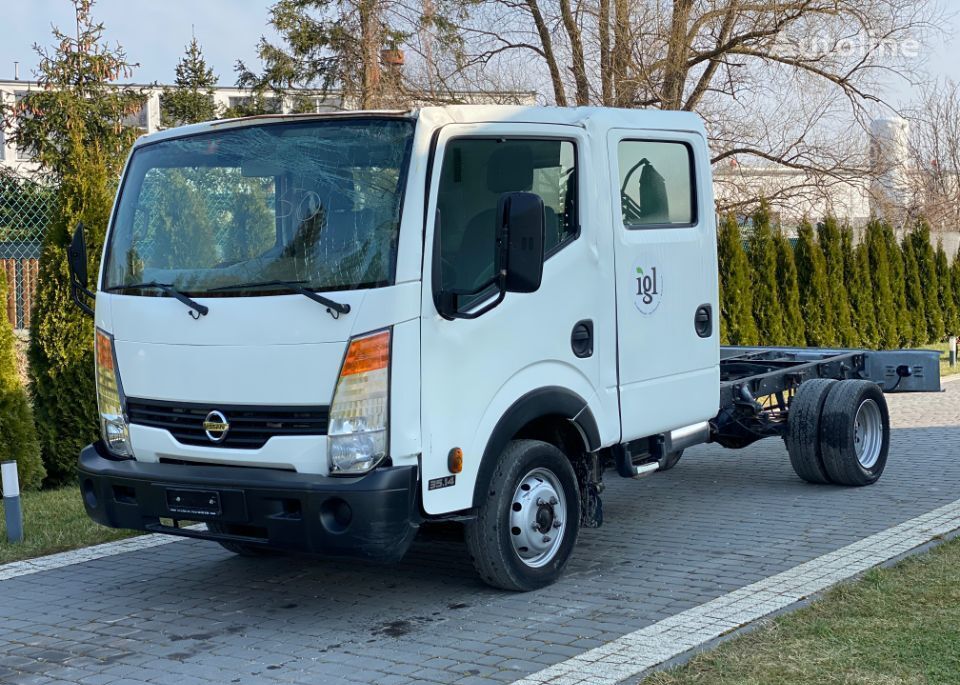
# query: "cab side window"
[475,173]
[656,184]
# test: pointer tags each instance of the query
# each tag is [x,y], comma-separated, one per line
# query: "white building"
[148,119]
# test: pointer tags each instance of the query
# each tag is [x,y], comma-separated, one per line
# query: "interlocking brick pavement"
[192,614]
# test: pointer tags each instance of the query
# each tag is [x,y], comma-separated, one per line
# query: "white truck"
[318,332]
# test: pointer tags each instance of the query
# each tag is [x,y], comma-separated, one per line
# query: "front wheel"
[529,519]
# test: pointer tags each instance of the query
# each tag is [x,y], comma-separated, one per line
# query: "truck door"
[666,280]
[557,339]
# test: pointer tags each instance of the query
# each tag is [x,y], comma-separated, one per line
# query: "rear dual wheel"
[838,432]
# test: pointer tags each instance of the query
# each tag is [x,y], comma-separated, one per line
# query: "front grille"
[250,427]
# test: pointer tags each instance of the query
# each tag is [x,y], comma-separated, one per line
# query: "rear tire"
[803,430]
[528,521]
[855,433]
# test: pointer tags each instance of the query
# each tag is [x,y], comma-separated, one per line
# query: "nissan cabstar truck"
[316,333]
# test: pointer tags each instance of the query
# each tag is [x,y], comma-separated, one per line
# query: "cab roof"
[435,117]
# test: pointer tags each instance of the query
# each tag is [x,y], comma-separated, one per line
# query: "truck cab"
[318,332]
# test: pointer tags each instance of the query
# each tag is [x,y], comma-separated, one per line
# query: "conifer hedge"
[18,437]
[831,290]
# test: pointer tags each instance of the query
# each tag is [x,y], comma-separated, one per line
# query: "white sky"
[154,33]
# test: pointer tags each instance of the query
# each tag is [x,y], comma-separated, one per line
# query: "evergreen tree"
[955,280]
[18,435]
[737,326]
[840,316]
[814,289]
[789,291]
[945,296]
[856,262]
[763,264]
[916,305]
[73,125]
[882,290]
[927,263]
[191,99]
[328,44]
[902,317]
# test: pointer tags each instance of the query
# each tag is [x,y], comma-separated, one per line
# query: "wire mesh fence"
[26,208]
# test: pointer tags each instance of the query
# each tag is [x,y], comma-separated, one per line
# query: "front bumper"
[375,516]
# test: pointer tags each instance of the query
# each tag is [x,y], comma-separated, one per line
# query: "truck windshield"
[315,202]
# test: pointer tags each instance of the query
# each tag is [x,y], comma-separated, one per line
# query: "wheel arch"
[553,414]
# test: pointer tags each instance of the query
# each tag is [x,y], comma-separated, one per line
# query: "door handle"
[581,339]
[703,321]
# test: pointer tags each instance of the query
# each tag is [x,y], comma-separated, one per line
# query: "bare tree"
[780,82]
[935,148]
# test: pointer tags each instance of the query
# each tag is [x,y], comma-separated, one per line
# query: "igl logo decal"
[649,289]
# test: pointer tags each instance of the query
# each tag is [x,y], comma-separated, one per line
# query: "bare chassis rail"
[750,373]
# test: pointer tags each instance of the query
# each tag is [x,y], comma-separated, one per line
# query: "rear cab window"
[657,184]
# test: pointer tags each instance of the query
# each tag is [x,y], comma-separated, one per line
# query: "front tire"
[529,519]
[240,548]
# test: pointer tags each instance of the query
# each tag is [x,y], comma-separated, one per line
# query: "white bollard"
[11,500]
[952,344]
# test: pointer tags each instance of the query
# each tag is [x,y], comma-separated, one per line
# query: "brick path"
[192,614]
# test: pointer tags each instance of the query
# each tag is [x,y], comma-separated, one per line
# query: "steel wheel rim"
[868,433]
[538,518]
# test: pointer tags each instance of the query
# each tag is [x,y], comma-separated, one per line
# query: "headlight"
[357,431]
[113,424]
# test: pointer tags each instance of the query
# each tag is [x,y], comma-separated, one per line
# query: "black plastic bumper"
[373,517]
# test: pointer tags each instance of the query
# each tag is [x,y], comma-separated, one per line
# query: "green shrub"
[814,290]
[945,296]
[61,342]
[927,263]
[916,305]
[860,287]
[18,436]
[763,264]
[737,326]
[789,291]
[880,276]
[839,312]
[898,287]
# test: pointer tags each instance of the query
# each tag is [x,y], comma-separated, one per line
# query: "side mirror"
[77,263]
[521,230]
[77,257]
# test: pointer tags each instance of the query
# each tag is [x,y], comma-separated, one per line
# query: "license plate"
[195,502]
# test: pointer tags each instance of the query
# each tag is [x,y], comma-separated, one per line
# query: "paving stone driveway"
[192,614]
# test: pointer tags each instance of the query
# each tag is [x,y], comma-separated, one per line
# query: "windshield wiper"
[335,309]
[196,309]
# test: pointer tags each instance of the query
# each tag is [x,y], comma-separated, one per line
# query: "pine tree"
[841,317]
[882,290]
[916,305]
[814,289]
[945,296]
[927,262]
[73,125]
[327,44]
[737,326]
[902,317]
[856,260]
[955,281]
[789,290]
[18,435]
[191,99]
[763,264]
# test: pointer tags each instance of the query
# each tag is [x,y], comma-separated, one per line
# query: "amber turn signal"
[455,460]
